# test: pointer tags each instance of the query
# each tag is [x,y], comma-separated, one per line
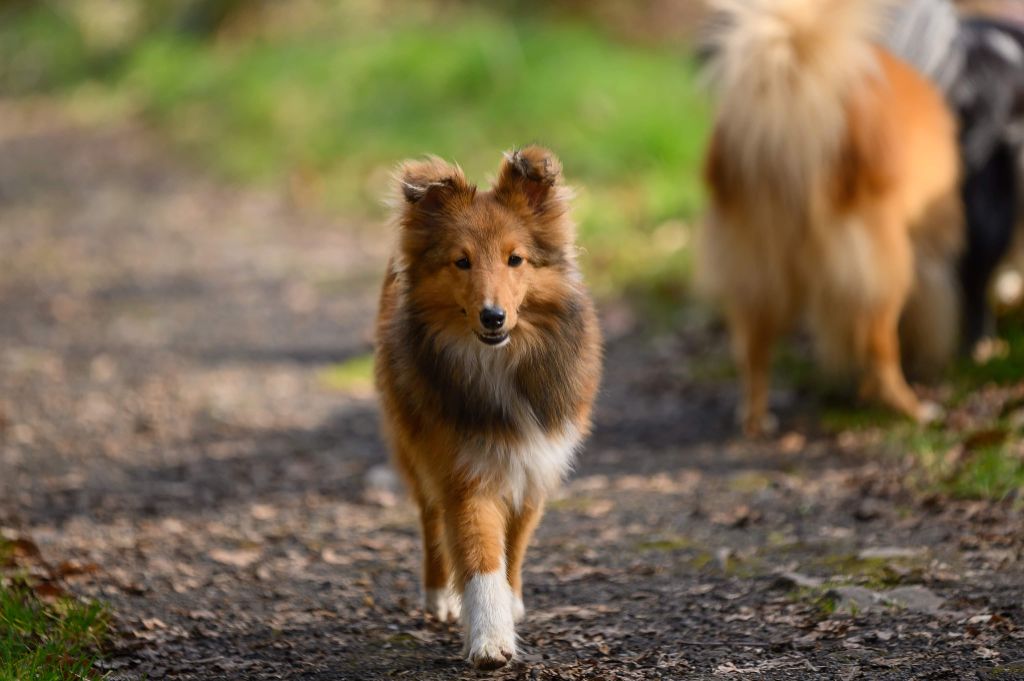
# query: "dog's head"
[474,259]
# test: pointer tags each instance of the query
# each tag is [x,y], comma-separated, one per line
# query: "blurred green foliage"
[39,48]
[353,374]
[326,98]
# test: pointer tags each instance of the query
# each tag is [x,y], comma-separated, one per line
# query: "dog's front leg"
[521,525]
[475,525]
[438,598]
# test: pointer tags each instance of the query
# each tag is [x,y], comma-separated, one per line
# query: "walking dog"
[488,360]
[833,177]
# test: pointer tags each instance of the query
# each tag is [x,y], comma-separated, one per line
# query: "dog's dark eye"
[515,260]
[462,263]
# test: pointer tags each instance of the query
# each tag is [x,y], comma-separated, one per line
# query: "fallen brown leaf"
[236,557]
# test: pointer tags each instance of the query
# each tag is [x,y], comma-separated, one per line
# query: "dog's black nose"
[492,318]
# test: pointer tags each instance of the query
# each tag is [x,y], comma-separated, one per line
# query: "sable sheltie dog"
[488,361]
[833,174]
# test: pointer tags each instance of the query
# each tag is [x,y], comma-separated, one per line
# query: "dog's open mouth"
[493,338]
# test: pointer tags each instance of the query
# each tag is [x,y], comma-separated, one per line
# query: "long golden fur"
[483,421]
[833,176]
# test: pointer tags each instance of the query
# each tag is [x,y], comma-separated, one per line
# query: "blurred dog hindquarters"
[833,178]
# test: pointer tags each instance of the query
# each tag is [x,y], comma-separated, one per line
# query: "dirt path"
[165,419]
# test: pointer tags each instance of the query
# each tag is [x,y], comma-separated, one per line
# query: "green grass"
[627,122]
[47,640]
[666,543]
[352,375]
[947,460]
[40,48]
[1003,370]
[332,105]
[950,463]
[838,418]
[984,460]
[874,573]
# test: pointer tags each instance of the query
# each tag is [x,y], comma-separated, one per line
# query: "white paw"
[442,604]
[988,349]
[930,412]
[753,427]
[487,616]
[518,608]
[492,653]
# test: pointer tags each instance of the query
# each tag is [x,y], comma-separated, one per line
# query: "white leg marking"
[487,616]
[443,604]
[769,422]
[930,412]
[518,608]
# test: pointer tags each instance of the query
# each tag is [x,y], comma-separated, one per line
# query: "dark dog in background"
[979,64]
[989,100]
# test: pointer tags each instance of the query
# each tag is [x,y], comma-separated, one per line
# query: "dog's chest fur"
[526,463]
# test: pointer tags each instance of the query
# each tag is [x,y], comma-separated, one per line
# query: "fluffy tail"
[781,70]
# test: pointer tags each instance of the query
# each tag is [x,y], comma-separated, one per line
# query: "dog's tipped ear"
[531,176]
[429,182]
